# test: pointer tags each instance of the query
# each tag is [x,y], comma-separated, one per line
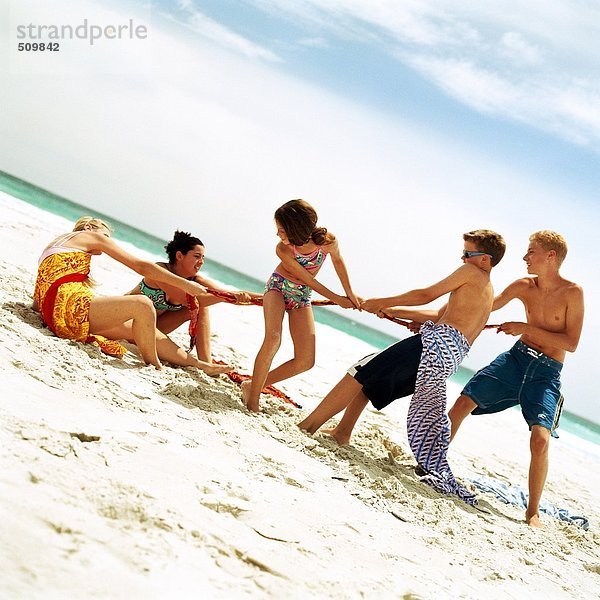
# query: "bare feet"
[306,426]
[213,369]
[534,521]
[246,385]
[342,438]
[246,388]
[156,364]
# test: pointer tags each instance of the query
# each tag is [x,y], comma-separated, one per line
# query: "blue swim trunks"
[522,376]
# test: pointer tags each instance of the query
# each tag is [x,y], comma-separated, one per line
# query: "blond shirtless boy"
[444,345]
[529,373]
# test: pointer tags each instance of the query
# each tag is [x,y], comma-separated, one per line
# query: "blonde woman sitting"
[64,297]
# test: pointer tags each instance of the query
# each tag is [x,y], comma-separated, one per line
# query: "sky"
[404,123]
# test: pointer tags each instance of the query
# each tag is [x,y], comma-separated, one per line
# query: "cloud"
[223,36]
[313,42]
[516,49]
[508,59]
[570,112]
[483,90]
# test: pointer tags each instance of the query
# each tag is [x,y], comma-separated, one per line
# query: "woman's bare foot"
[342,438]
[253,406]
[534,520]
[307,426]
[213,369]
[246,388]
[246,385]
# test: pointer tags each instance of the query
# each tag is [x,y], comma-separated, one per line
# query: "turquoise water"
[69,210]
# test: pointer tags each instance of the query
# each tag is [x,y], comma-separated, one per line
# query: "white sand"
[119,481]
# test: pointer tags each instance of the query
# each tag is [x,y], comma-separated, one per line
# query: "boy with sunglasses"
[423,362]
[529,373]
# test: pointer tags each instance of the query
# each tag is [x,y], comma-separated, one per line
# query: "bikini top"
[57,247]
[158,297]
[313,261]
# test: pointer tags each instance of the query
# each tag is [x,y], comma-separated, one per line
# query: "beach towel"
[518,496]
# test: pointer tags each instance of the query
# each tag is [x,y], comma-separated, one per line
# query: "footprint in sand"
[592,567]
[293,482]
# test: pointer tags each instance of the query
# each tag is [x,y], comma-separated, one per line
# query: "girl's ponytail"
[321,236]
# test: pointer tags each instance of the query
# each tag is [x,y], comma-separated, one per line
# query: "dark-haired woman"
[186,257]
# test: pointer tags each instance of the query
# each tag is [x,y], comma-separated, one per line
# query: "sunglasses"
[469,254]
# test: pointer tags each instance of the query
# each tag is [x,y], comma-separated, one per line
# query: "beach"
[121,481]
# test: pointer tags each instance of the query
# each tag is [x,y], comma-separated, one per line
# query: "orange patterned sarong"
[63,295]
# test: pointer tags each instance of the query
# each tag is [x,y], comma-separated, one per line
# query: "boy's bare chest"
[547,309]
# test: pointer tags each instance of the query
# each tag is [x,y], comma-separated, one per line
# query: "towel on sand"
[514,494]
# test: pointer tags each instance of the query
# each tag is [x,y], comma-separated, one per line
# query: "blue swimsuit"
[158,297]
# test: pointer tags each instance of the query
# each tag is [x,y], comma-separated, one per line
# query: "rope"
[257,301]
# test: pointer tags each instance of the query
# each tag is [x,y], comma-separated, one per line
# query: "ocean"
[45,200]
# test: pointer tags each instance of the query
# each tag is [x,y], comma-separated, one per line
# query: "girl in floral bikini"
[302,250]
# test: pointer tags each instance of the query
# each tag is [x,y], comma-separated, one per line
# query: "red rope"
[257,301]
[269,389]
[229,297]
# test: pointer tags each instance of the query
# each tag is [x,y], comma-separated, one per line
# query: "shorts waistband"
[458,336]
[537,355]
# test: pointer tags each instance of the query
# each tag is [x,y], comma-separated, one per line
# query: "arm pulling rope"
[229,297]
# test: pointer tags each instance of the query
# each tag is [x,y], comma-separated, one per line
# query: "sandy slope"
[120,481]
